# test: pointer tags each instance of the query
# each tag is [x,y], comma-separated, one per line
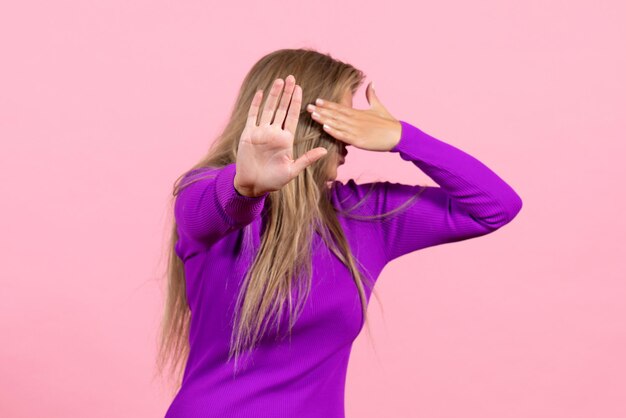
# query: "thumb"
[373,99]
[370,94]
[307,159]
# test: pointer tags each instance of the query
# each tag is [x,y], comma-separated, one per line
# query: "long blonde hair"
[283,260]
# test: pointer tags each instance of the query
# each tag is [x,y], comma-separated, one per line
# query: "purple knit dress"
[219,230]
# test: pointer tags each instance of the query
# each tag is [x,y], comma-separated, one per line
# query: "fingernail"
[319,101]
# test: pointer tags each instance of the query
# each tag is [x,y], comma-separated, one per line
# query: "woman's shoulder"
[350,188]
[200,172]
[361,197]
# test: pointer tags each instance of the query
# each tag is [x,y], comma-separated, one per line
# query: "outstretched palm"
[265,154]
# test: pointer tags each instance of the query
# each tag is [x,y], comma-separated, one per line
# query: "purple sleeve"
[471,200]
[211,207]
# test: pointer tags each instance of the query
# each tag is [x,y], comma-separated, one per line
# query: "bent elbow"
[509,211]
[501,216]
[514,207]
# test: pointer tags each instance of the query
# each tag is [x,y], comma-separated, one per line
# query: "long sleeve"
[211,207]
[471,200]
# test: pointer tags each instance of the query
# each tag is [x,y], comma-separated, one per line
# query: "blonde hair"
[283,260]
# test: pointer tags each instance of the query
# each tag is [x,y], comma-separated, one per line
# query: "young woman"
[273,261]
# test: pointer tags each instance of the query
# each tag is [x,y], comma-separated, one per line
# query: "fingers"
[307,159]
[270,103]
[333,113]
[291,123]
[336,108]
[335,120]
[279,118]
[254,109]
[341,135]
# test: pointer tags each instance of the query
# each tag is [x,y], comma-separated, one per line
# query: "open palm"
[265,154]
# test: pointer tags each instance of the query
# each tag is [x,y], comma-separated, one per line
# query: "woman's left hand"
[373,129]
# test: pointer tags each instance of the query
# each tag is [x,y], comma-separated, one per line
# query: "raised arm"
[213,206]
[471,201]
[210,207]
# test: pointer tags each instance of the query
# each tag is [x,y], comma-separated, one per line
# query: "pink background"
[104,103]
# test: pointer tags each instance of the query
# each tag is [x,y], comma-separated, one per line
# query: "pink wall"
[103,104]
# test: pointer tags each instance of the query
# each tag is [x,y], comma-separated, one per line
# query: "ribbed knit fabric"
[219,230]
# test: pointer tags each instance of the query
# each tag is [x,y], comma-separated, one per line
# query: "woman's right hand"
[265,155]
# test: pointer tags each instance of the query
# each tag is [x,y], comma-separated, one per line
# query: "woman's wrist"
[246,191]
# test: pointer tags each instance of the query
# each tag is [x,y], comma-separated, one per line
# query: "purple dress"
[219,230]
